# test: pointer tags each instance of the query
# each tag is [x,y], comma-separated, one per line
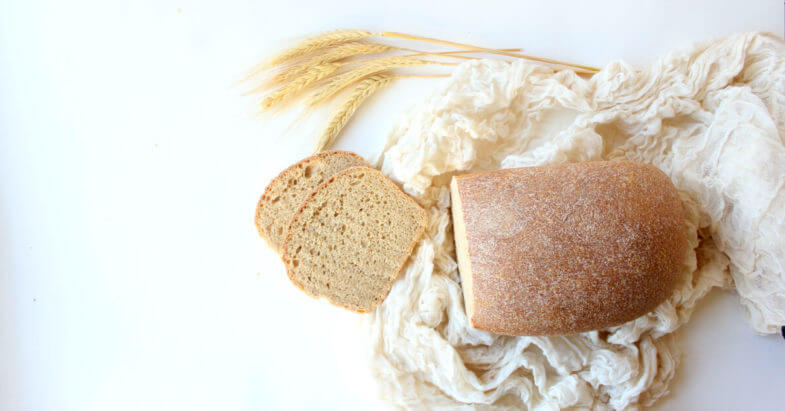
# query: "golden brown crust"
[277,182]
[570,248]
[298,214]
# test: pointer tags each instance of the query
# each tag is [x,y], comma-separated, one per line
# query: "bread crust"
[422,223]
[570,248]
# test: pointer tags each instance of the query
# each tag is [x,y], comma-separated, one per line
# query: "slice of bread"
[350,239]
[287,192]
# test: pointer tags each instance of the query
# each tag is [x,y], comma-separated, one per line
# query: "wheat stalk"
[367,68]
[336,37]
[319,62]
[362,91]
[339,52]
[294,87]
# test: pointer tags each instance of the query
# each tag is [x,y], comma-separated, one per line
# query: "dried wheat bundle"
[329,63]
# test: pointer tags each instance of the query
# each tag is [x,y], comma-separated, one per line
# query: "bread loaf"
[350,238]
[565,249]
[287,192]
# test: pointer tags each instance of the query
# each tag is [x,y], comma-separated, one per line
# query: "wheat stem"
[452,54]
[397,76]
[577,67]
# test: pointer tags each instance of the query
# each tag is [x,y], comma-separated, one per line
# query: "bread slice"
[350,239]
[564,249]
[287,192]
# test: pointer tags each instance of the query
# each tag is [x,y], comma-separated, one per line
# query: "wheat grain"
[362,91]
[339,52]
[312,44]
[367,68]
[294,87]
[308,46]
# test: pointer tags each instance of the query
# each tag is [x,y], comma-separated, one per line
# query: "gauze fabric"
[711,117]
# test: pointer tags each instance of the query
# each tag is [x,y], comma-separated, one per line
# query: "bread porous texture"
[350,239]
[286,193]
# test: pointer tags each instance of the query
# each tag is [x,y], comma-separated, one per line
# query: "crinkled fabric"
[711,117]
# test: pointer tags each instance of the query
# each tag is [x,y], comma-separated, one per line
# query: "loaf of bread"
[350,238]
[287,192]
[565,249]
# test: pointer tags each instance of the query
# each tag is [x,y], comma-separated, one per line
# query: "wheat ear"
[294,87]
[362,91]
[312,44]
[368,67]
[339,52]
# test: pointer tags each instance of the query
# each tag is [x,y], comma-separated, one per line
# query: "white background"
[131,276]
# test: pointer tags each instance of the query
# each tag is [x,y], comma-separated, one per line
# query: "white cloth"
[711,117]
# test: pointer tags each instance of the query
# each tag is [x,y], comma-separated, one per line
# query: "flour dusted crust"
[565,249]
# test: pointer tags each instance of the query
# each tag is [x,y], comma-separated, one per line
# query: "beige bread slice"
[565,249]
[350,239]
[286,193]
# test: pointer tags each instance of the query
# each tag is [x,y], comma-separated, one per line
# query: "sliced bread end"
[351,237]
[286,193]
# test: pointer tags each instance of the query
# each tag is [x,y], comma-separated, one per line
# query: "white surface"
[132,276]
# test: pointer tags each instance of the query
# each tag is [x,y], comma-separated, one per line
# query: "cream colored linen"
[711,117]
